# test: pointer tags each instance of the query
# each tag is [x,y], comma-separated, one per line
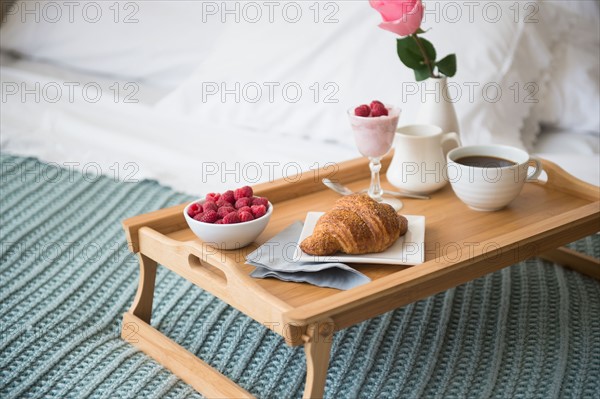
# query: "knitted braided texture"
[531,330]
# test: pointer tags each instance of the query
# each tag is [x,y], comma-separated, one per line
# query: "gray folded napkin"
[275,258]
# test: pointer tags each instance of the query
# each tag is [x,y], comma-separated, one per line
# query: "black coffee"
[483,161]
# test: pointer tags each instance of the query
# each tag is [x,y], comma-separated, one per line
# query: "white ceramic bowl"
[228,236]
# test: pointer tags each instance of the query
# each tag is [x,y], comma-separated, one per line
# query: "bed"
[96,128]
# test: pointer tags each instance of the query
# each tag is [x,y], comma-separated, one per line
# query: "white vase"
[437,107]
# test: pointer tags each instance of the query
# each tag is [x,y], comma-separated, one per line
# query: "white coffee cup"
[488,183]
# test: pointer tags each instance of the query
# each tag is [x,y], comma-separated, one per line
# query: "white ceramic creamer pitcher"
[419,162]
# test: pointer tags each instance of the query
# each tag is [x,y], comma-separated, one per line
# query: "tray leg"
[317,346]
[136,330]
[199,374]
[142,304]
[582,263]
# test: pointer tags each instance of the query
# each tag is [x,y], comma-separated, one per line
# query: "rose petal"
[408,24]
[393,10]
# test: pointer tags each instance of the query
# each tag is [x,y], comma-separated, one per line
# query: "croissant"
[356,225]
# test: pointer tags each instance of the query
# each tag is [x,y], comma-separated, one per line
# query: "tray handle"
[560,180]
[194,259]
[219,272]
[212,264]
[209,271]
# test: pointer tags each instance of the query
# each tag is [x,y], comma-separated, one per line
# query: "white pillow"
[158,42]
[495,48]
[316,71]
[503,49]
[570,91]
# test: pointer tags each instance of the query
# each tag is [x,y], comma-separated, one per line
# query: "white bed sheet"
[131,141]
[17,70]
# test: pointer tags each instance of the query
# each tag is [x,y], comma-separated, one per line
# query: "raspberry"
[231,218]
[242,192]
[209,216]
[209,206]
[362,110]
[228,196]
[379,110]
[244,201]
[214,197]
[222,202]
[245,216]
[258,210]
[260,201]
[194,209]
[244,209]
[220,221]
[225,210]
[376,103]
[198,216]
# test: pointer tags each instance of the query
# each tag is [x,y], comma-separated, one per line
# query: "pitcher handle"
[448,139]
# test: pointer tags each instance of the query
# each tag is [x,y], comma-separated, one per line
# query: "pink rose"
[402,17]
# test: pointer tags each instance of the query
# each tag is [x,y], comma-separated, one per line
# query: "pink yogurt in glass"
[374,136]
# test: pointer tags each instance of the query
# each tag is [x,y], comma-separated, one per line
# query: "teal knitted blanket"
[529,331]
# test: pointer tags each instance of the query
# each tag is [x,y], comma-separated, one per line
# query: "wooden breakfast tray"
[460,245]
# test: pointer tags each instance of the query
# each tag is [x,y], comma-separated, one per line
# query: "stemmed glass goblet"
[374,136]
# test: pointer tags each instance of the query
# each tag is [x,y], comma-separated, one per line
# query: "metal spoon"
[341,189]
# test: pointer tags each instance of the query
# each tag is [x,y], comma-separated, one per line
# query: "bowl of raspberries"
[229,220]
